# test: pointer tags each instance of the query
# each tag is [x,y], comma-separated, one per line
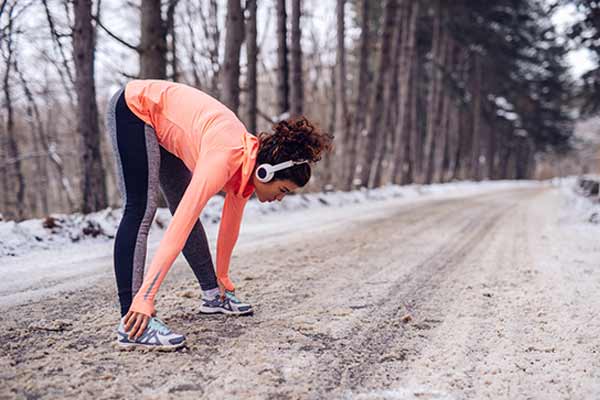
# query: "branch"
[57,40]
[265,116]
[27,156]
[2,6]
[118,39]
[129,76]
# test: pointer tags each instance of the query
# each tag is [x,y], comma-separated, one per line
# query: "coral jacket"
[213,143]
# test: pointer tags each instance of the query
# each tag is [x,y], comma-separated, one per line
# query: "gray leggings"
[142,167]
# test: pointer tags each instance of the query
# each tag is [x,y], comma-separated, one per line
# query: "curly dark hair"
[293,139]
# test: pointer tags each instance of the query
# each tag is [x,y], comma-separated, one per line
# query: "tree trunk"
[170,30]
[251,53]
[283,105]
[326,169]
[475,169]
[402,167]
[361,102]
[231,66]
[93,186]
[442,129]
[375,123]
[153,56]
[434,99]
[13,182]
[491,153]
[35,123]
[391,98]
[341,113]
[296,87]
[456,118]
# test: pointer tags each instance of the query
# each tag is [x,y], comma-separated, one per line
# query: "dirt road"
[488,296]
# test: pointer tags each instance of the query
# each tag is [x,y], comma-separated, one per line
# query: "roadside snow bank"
[579,205]
[59,230]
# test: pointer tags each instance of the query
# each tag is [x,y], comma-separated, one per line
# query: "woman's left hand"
[221,288]
[137,322]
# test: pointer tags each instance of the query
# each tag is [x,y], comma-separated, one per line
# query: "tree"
[361,97]
[153,44]
[231,64]
[296,87]
[585,33]
[93,186]
[13,183]
[251,53]
[341,103]
[283,91]
[375,122]
[403,152]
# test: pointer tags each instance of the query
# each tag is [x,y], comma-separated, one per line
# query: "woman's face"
[274,190]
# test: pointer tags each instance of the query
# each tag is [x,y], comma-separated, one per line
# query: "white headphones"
[265,172]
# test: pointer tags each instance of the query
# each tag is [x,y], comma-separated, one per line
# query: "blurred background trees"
[414,91]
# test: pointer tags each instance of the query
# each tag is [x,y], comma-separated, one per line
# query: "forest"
[414,91]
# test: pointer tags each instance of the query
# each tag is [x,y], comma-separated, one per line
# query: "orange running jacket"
[213,144]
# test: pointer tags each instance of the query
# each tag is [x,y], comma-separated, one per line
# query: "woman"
[175,138]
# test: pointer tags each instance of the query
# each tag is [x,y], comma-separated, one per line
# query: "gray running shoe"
[229,304]
[157,336]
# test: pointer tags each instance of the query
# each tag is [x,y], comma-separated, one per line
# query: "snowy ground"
[38,261]
[460,291]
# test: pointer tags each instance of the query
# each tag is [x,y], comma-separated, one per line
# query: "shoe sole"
[145,347]
[222,311]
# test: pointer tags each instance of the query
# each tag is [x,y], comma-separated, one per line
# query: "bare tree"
[153,46]
[296,86]
[434,99]
[445,64]
[402,168]
[341,104]
[283,91]
[375,123]
[13,182]
[62,66]
[391,100]
[251,54]
[231,64]
[475,162]
[93,186]
[34,121]
[212,33]
[361,97]
[172,34]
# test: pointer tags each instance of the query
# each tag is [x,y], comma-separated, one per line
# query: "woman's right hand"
[137,322]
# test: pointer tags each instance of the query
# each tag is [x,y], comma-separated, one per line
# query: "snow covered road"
[489,295]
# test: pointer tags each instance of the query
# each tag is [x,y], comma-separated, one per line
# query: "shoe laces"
[231,296]
[160,326]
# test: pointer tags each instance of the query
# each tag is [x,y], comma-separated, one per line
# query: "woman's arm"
[229,229]
[212,172]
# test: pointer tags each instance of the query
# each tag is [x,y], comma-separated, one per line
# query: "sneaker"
[157,336]
[229,304]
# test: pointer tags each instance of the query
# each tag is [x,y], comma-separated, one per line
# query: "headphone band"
[286,164]
[265,172]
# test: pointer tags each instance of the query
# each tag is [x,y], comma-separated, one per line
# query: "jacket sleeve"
[212,171]
[229,229]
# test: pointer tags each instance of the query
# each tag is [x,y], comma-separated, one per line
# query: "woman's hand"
[137,322]
[221,288]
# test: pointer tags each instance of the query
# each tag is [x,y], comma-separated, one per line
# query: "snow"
[38,261]
[76,230]
[577,208]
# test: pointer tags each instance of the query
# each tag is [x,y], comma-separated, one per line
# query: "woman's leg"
[174,179]
[137,159]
